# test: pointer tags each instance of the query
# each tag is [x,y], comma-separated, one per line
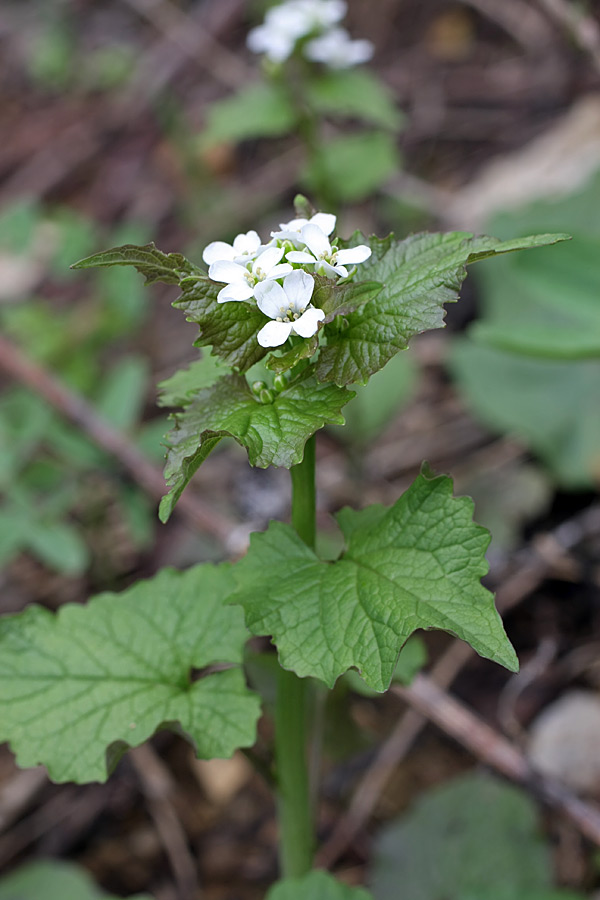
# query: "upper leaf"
[79,687]
[419,275]
[355,93]
[414,565]
[180,388]
[273,433]
[152,263]
[260,109]
[229,328]
[317,885]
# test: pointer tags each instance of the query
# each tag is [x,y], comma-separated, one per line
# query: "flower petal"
[298,287]
[266,260]
[271,299]
[274,334]
[236,291]
[315,240]
[280,270]
[229,272]
[308,323]
[352,255]
[246,244]
[324,221]
[216,251]
[300,256]
[329,271]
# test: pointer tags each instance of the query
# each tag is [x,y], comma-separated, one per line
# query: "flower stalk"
[291,709]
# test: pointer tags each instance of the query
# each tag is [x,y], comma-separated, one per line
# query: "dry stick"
[157,786]
[531,569]
[583,28]
[495,751]
[74,407]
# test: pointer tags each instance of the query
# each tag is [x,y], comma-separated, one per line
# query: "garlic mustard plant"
[81,686]
[312,26]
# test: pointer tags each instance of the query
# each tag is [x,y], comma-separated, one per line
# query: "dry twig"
[583,28]
[495,751]
[73,407]
[519,580]
[157,786]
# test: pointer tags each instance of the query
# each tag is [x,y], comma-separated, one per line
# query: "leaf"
[304,349]
[262,109]
[460,837]
[342,299]
[416,564]
[355,93]
[81,686]
[413,657]
[550,404]
[229,328]
[317,885]
[180,388]
[354,166]
[123,392]
[53,881]
[152,263]
[274,434]
[420,274]
[544,304]
[58,544]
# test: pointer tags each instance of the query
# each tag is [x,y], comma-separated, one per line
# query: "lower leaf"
[81,686]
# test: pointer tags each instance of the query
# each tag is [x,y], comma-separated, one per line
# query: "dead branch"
[73,407]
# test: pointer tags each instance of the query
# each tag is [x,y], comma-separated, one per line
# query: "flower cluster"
[315,23]
[254,272]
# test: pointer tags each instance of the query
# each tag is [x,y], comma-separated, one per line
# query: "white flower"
[290,231]
[242,280]
[286,23]
[328,260]
[289,307]
[337,50]
[244,248]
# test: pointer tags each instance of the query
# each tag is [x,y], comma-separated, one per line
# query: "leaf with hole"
[80,686]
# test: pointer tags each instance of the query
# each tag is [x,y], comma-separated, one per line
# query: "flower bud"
[266,396]
[281,381]
[257,387]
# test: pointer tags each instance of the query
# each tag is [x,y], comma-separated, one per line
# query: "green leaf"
[551,405]
[342,299]
[274,434]
[419,275]
[229,328]
[416,564]
[53,881]
[81,686]
[354,166]
[304,349]
[152,263]
[317,885]
[544,304]
[262,109]
[413,657]
[355,93]
[460,837]
[58,544]
[180,388]
[123,392]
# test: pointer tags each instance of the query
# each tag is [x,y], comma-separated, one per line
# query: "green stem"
[291,709]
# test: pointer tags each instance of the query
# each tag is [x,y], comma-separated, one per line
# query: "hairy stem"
[291,709]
